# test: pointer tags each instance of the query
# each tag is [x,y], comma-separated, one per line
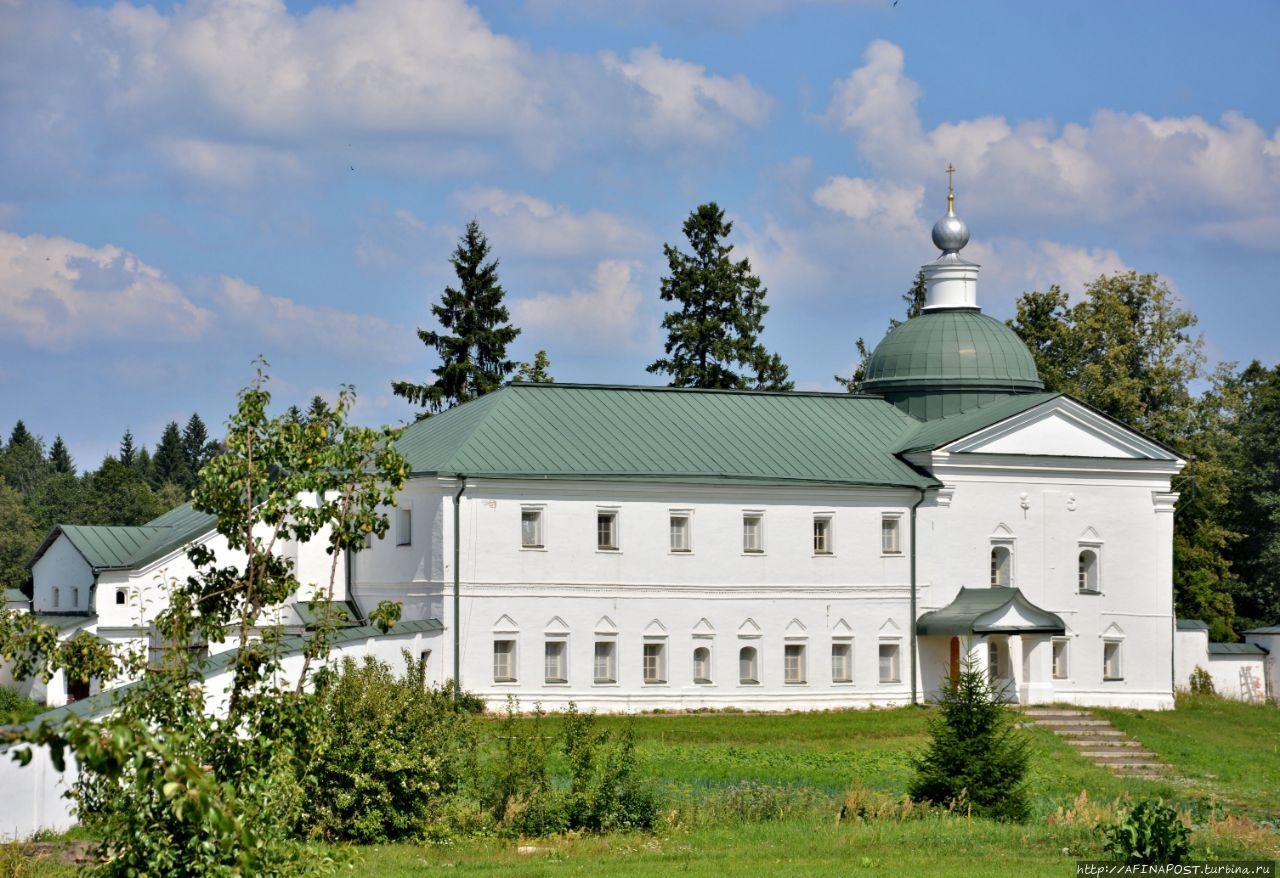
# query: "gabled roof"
[129,548]
[990,611]
[943,431]
[1270,629]
[1192,625]
[663,434]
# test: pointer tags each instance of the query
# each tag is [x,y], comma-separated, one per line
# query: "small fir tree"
[713,337]
[977,761]
[473,345]
[60,458]
[170,463]
[128,453]
[22,464]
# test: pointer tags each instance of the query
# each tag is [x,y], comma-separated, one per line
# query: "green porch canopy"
[995,610]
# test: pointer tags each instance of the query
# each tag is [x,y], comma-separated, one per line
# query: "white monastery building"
[633,548]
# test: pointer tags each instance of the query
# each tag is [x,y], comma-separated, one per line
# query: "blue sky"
[188,184]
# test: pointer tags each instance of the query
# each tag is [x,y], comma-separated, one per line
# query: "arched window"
[1088,570]
[702,665]
[1001,566]
[122,597]
[748,666]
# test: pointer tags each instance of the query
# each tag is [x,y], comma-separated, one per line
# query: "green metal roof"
[128,548]
[978,611]
[1192,625]
[1236,649]
[944,431]
[1270,629]
[953,347]
[65,621]
[344,613]
[597,432]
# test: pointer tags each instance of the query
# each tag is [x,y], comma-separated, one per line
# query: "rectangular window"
[841,663]
[607,531]
[424,659]
[655,663]
[1111,668]
[605,662]
[793,663]
[822,535]
[554,664]
[890,535]
[1060,659]
[504,661]
[531,528]
[56,597]
[75,596]
[753,532]
[404,527]
[889,671]
[680,532]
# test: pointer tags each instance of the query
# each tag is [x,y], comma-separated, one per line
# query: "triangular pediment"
[749,628]
[1061,427]
[795,628]
[655,629]
[841,629]
[703,627]
[1002,532]
[890,629]
[505,623]
[556,625]
[1113,630]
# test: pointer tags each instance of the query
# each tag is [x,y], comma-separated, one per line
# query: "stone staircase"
[1098,741]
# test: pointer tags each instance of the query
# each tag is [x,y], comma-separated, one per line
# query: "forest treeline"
[1124,345]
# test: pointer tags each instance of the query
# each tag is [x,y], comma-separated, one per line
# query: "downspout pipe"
[915,699]
[457,588]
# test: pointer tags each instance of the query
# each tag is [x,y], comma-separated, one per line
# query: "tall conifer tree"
[170,463]
[60,457]
[473,345]
[196,447]
[713,337]
[128,453]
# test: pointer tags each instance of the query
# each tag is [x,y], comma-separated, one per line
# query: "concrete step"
[1093,732]
[1118,756]
[1053,713]
[1098,742]
[1071,722]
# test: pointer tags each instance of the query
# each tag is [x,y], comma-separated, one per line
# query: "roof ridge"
[663,388]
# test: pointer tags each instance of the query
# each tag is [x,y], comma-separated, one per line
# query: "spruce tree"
[128,454]
[60,458]
[22,464]
[197,448]
[171,463]
[318,411]
[713,337]
[473,346]
[977,760]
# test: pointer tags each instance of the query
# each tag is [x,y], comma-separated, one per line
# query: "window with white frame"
[504,661]
[554,670]
[1001,565]
[822,535]
[748,666]
[1061,669]
[655,663]
[702,664]
[793,663]
[890,670]
[607,530]
[606,665]
[404,527]
[995,660]
[891,535]
[531,528]
[1112,669]
[1087,570]
[841,663]
[753,532]
[680,540]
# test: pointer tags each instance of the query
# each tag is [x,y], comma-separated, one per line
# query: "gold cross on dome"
[951,195]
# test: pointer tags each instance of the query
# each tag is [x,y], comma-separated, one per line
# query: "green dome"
[948,361]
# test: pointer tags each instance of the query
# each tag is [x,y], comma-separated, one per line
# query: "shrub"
[977,761]
[1151,833]
[1201,682]
[392,750]
[16,707]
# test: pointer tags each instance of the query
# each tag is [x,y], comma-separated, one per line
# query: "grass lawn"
[797,768]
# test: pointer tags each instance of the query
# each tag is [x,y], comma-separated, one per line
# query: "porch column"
[1017,673]
[1037,668]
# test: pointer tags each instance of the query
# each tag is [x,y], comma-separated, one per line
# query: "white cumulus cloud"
[533,225]
[605,313]
[55,293]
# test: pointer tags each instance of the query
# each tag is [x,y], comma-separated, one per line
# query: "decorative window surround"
[891,535]
[532,526]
